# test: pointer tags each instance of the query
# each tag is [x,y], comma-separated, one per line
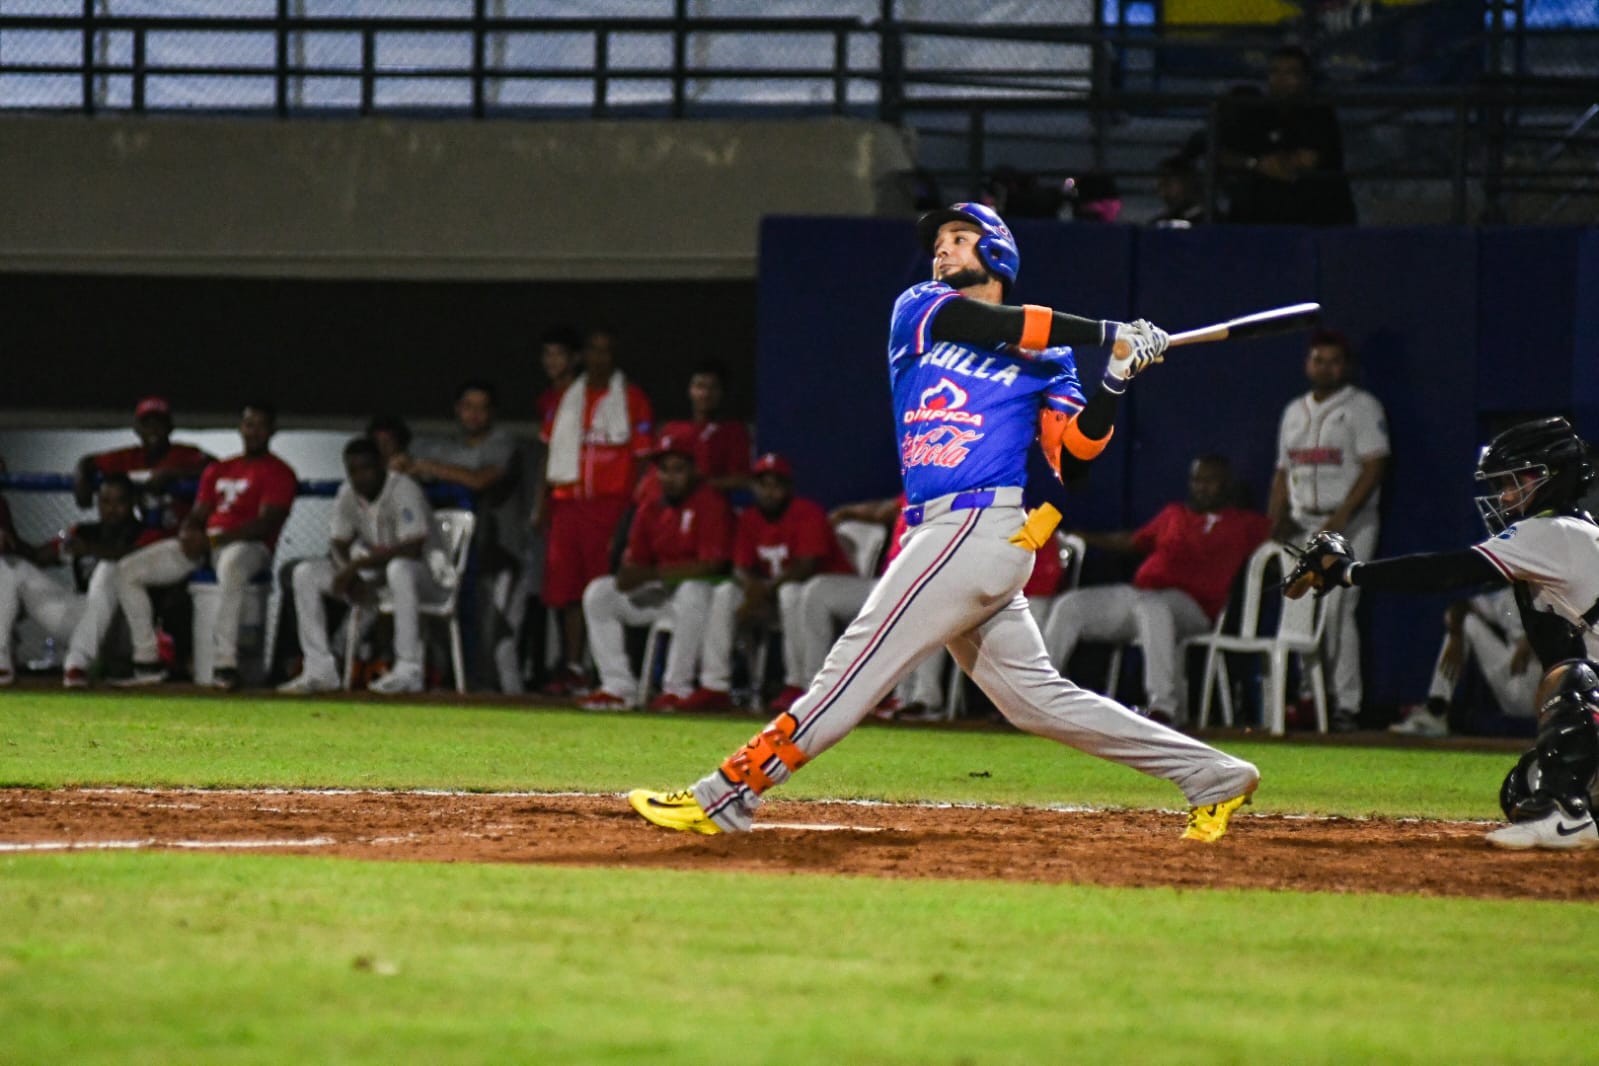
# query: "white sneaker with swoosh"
[1559,830]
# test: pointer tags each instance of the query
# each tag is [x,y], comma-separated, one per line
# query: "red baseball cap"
[677,438]
[772,463]
[152,405]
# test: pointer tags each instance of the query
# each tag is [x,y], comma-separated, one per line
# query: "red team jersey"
[238,489]
[1198,552]
[1045,580]
[131,460]
[721,449]
[698,530]
[606,470]
[765,546]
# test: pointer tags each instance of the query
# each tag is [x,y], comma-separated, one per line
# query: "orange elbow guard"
[1081,445]
[755,764]
[1036,321]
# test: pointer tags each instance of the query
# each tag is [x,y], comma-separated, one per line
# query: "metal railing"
[977,94]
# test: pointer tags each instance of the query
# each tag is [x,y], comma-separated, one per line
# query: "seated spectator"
[779,545]
[380,536]
[677,550]
[155,464]
[1485,630]
[1191,552]
[721,445]
[391,434]
[237,516]
[484,460]
[599,433]
[1177,182]
[1284,157]
[78,616]
[1094,197]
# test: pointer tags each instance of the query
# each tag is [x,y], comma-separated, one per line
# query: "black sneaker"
[225,678]
[1345,721]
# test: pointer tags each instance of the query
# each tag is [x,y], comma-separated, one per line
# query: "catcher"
[1547,549]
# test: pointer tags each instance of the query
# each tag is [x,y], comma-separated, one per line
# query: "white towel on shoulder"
[567,437]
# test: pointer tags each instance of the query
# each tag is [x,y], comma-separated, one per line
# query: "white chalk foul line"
[127,845]
[821,827]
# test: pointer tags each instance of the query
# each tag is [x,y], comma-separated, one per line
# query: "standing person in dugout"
[1546,548]
[1332,452]
[974,382]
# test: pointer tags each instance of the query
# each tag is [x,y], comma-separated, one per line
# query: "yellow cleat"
[680,811]
[1209,824]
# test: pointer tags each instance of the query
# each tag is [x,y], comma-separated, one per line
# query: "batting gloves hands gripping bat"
[1038,529]
[1325,563]
[1135,348]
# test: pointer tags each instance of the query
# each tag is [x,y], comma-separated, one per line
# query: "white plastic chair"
[1072,549]
[449,569]
[1298,633]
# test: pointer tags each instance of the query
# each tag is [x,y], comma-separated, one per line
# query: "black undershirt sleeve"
[1429,572]
[1095,421]
[990,325]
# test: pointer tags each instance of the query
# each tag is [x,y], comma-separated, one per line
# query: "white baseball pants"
[608,611]
[957,582]
[410,585]
[163,563]
[721,631]
[1515,692]
[1158,619]
[1340,636]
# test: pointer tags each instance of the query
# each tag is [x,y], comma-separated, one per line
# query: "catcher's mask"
[1536,466]
[996,248]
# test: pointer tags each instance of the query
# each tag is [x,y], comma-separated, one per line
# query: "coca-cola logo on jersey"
[941,446]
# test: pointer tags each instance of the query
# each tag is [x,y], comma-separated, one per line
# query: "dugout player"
[381,532]
[155,465]
[1191,552]
[1332,451]
[238,514]
[1545,548]
[974,383]
[597,435]
[79,615]
[677,549]
[780,545]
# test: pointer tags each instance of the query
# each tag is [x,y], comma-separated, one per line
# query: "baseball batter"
[1332,449]
[1547,550]
[974,382]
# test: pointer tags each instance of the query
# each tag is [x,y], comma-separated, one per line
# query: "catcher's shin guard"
[768,759]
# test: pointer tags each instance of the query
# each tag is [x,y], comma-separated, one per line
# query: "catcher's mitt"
[1323,562]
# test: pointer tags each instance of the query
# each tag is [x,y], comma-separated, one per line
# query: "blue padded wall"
[1454,326]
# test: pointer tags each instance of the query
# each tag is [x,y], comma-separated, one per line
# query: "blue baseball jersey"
[966,415]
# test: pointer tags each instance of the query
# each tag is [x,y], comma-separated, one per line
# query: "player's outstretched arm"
[1136,344]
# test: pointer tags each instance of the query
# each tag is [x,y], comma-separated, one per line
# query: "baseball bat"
[1261,324]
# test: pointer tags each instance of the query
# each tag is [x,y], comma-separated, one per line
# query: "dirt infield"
[1013,844]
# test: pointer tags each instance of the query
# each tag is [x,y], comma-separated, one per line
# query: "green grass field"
[176,957]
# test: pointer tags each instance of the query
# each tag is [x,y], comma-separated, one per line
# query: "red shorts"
[580,546]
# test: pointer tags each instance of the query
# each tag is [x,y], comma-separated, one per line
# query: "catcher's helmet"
[1546,448]
[996,247]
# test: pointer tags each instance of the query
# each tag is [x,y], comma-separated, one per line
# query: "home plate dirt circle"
[1101,847]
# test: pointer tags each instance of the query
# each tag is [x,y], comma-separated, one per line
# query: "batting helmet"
[996,247]
[1548,449]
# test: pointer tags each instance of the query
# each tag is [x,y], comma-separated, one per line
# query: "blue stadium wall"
[1458,330]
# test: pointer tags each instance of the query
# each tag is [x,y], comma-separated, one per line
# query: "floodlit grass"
[166,957]
[53,739]
[189,958]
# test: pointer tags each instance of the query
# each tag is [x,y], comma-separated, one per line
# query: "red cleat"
[785,699]
[603,701]
[666,702]
[706,699]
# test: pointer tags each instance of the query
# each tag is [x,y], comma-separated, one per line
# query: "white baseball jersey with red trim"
[1557,555]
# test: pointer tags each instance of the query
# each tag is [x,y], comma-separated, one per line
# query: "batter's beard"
[967,279]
